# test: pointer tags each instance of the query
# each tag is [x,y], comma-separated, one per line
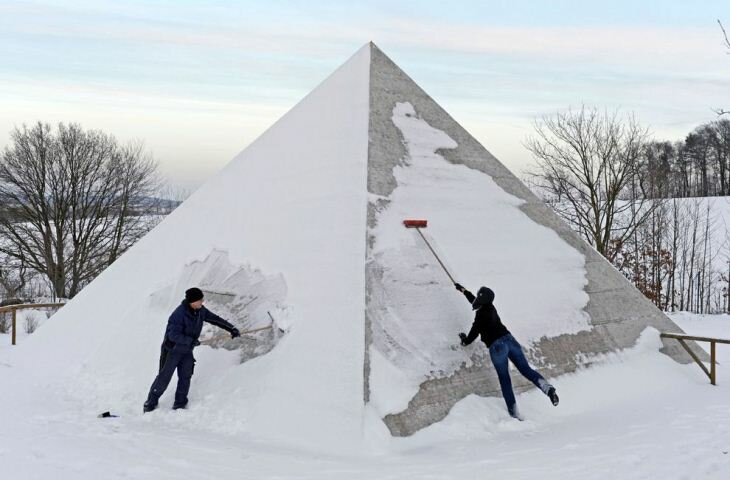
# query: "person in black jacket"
[502,347]
[181,337]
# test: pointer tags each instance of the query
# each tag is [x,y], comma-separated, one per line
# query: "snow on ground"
[637,415]
[717,326]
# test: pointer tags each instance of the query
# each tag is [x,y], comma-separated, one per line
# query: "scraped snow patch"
[243,295]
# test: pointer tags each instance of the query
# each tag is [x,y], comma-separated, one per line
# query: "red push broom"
[418,225]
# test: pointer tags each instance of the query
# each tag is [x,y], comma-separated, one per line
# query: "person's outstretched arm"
[469,296]
[214,319]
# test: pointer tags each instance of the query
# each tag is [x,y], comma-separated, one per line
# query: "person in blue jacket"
[181,337]
[502,347]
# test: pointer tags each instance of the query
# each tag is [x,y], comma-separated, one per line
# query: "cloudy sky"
[197,81]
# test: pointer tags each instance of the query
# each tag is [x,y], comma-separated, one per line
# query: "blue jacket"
[185,324]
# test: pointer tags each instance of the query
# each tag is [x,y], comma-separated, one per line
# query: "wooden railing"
[680,337]
[23,306]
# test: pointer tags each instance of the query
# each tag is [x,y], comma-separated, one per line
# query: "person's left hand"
[462,336]
[235,333]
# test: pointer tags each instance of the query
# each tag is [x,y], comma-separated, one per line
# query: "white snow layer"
[482,236]
[292,204]
[636,415]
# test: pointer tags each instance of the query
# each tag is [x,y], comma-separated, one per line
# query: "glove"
[195,343]
[462,336]
[235,333]
[459,287]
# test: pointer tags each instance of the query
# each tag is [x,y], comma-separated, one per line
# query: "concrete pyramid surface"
[304,226]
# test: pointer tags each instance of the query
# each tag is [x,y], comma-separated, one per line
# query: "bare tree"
[74,201]
[721,111]
[14,277]
[171,196]
[589,159]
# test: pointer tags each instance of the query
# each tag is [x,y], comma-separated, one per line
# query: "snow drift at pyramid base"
[315,206]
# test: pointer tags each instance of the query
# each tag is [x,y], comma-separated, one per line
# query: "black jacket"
[486,321]
[185,324]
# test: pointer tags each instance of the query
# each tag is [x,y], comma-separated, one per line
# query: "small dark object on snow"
[107,415]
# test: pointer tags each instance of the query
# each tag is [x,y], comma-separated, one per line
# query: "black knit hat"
[193,294]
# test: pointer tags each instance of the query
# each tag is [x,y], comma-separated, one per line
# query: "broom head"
[415,223]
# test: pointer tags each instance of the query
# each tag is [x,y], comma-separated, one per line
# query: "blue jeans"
[500,351]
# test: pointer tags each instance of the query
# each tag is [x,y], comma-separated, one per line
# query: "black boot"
[514,412]
[148,406]
[553,396]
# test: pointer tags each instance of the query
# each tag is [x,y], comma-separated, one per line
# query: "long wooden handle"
[219,336]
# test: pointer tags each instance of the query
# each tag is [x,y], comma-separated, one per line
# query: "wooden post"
[14,326]
[14,308]
[712,364]
[681,337]
[695,357]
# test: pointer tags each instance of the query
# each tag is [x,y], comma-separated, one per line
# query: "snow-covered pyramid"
[305,227]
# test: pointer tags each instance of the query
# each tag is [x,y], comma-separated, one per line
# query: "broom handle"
[437,257]
[219,336]
[256,329]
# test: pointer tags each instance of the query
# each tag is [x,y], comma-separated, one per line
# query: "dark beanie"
[193,294]
[485,296]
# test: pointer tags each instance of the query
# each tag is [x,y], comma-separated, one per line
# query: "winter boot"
[514,412]
[148,407]
[179,406]
[553,396]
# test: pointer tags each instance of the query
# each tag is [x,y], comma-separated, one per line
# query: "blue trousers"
[507,348]
[171,360]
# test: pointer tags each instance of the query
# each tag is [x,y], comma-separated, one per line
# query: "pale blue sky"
[199,80]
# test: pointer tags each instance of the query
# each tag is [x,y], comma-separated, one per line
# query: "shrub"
[31,322]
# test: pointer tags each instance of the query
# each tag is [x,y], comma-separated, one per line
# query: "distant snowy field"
[637,415]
